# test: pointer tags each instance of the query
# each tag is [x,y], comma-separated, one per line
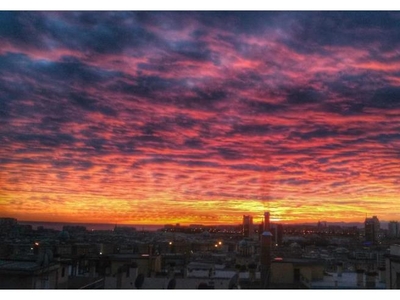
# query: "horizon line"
[184,225]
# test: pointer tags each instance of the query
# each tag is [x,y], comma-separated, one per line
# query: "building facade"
[393,229]
[372,228]
[248,227]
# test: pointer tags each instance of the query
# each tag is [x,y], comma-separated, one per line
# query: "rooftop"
[298,261]
[220,274]
[348,280]
[16,266]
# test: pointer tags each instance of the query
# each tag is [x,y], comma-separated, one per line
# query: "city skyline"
[199,117]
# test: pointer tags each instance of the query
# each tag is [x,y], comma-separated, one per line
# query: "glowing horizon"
[199,117]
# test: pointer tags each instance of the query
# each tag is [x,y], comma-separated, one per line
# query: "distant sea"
[89,226]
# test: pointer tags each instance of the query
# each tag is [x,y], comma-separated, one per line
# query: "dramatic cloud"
[199,117]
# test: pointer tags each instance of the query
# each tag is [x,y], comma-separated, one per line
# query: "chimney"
[267,224]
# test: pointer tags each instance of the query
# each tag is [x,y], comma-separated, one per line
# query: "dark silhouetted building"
[372,227]
[7,224]
[248,228]
[265,255]
[74,228]
[393,268]
[393,229]
[277,232]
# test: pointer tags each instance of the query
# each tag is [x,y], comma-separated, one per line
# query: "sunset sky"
[199,117]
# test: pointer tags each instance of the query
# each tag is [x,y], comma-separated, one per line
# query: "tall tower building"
[248,228]
[372,227]
[265,257]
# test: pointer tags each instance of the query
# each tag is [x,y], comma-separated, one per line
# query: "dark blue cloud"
[47,140]
[385,138]
[199,163]
[96,143]
[72,70]
[191,50]
[344,108]
[247,22]
[91,104]
[77,164]
[251,129]
[304,96]
[194,143]
[183,121]
[337,29]
[91,32]
[22,28]
[294,181]
[257,168]
[326,132]
[229,153]
[53,83]
[258,107]
[385,98]
[145,86]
